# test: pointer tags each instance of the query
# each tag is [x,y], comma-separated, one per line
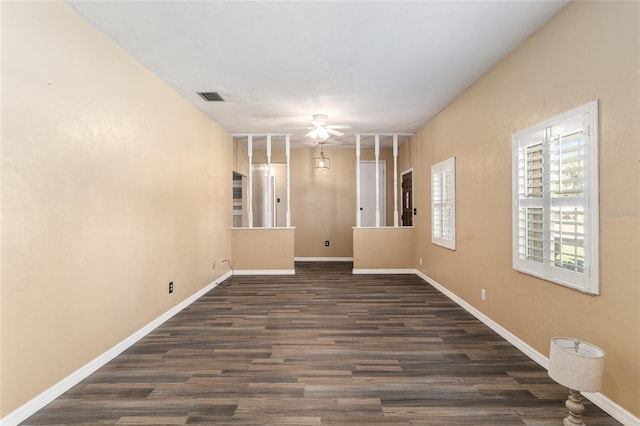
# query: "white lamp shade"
[576,364]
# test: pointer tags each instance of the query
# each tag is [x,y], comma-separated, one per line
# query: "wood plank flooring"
[322,347]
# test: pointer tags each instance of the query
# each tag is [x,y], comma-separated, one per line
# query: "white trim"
[441,168]
[613,409]
[381,193]
[31,407]
[395,180]
[250,185]
[323,259]
[39,401]
[587,281]
[288,154]
[506,334]
[264,272]
[409,170]
[606,404]
[358,212]
[383,271]
[377,152]
[383,227]
[275,228]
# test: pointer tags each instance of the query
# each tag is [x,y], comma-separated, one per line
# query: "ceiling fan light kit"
[321,130]
[319,133]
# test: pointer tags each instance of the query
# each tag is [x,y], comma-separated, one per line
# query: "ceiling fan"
[321,130]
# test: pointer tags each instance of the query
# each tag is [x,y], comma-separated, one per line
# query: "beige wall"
[383,248]
[240,157]
[112,186]
[404,164]
[590,50]
[262,249]
[323,202]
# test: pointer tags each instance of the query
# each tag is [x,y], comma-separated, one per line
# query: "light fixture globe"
[321,162]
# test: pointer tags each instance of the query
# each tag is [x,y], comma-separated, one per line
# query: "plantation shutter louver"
[443,219]
[555,200]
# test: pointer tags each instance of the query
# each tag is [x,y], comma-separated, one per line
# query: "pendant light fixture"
[321,162]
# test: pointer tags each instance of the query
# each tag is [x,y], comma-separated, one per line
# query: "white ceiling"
[376,65]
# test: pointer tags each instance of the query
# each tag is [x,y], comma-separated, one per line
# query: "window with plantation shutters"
[443,203]
[555,199]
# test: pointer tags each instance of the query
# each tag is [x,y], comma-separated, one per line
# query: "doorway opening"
[407,197]
[368,210]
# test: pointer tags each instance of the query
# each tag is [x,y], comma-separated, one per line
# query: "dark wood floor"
[322,347]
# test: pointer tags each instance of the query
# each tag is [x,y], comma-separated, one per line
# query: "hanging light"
[321,162]
[319,133]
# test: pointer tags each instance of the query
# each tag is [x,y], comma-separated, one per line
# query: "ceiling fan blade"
[335,132]
[339,126]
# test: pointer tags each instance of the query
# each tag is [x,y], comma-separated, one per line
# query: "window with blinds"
[443,203]
[555,199]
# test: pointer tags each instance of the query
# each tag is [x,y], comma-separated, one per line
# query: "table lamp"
[578,366]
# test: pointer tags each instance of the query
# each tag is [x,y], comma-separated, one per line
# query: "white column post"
[358,211]
[250,194]
[269,194]
[377,181]
[288,153]
[395,180]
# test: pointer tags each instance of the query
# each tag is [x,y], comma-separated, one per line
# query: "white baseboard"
[506,334]
[323,259]
[264,272]
[31,407]
[613,409]
[606,404]
[38,402]
[383,271]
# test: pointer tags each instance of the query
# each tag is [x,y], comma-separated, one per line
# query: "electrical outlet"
[326,243]
[484,294]
[421,261]
[171,287]
[213,265]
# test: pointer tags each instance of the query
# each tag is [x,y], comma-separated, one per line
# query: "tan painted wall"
[323,202]
[112,186]
[383,248]
[262,249]
[404,163]
[240,157]
[590,50]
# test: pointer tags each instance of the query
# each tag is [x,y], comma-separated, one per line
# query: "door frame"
[382,190]
[409,170]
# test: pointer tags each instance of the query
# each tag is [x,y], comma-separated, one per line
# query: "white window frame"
[549,201]
[443,234]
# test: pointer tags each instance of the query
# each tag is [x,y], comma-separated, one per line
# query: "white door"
[368,193]
[269,213]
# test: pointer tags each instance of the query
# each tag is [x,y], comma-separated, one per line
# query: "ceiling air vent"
[211,96]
